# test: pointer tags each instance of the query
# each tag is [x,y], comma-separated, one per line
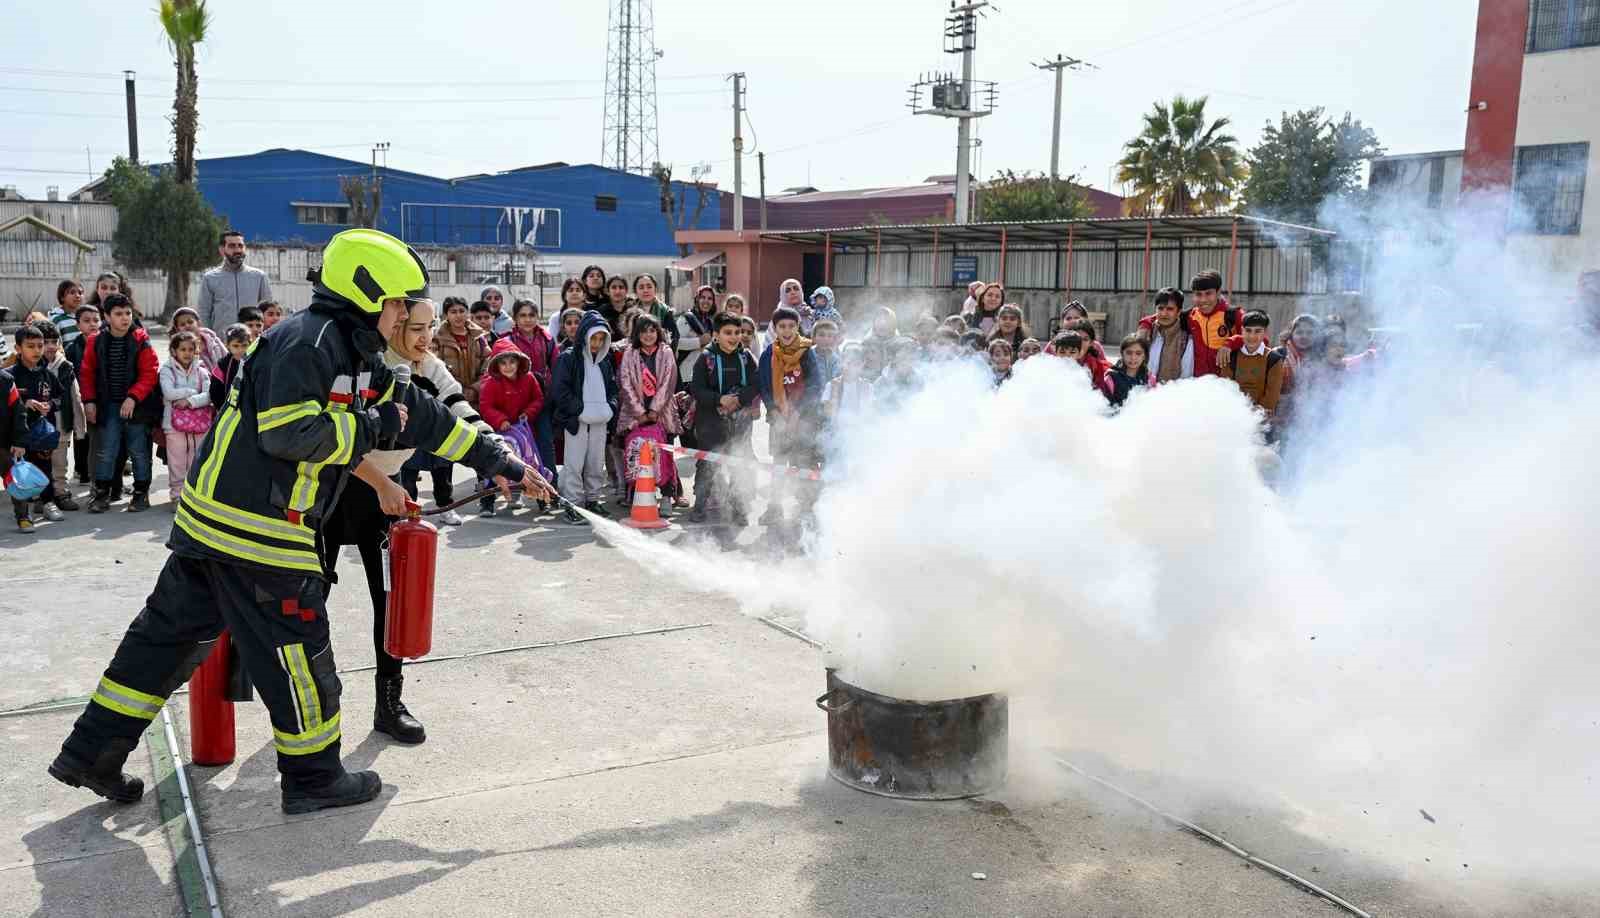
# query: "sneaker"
[67,503]
[572,517]
[36,511]
[487,510]
[140,502]
[515,503]
[741,519]
[598,509]
[697,515]
[450,518]
[53,514]
[25,526]
[774,514]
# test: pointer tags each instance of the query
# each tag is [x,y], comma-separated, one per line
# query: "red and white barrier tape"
[708,456]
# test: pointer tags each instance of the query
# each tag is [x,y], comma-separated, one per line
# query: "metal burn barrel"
[917,750]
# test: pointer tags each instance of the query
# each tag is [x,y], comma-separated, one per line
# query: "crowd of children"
[612,369]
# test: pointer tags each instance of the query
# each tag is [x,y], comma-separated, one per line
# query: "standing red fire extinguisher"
[409,560]
[211,733]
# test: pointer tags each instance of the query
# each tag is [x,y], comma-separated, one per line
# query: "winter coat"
[38,384]
[1118,383]
[192,387]
[541,350]
[567,386]
[717,374]
[464,361]
[502,402]
[1205,356]
[634,403]
[811,381]
[144,385]
[1259,376]
[826,311]
[667,318]
[70,418]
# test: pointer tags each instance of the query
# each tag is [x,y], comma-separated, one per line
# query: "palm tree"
[185,23]
[1179,164]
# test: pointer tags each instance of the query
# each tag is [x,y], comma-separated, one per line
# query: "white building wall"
[1560,103]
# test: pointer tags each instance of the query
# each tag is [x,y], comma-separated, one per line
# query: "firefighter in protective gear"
[311,399]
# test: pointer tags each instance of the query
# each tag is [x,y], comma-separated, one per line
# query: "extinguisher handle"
[413,509]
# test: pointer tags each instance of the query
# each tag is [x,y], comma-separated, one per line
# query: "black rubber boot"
[141,497]
[391,716]
[348,789]
[104,775]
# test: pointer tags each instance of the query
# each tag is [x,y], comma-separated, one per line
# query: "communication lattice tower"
[628,137]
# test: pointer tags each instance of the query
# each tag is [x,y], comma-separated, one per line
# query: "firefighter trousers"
[277,621]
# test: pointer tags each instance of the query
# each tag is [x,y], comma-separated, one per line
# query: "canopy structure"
[696,259]
[1070,233]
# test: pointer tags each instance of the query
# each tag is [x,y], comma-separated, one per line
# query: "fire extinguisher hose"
[515,489]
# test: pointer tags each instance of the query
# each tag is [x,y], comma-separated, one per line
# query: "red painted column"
[1491,145]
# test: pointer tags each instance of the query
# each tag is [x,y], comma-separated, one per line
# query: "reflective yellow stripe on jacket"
[304,495]
[238,547]
[455,446]
[284,414]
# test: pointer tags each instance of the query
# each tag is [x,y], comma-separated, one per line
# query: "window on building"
[1557,24]
[1547,189]
[605,203]
[322,214]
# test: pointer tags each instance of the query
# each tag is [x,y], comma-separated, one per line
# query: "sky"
[486,85]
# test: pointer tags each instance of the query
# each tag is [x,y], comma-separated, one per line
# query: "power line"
[89,74]
[346,100]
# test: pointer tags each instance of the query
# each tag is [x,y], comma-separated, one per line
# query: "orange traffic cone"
[646,511]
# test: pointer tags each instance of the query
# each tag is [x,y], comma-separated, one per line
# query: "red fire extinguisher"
[408,567]
[211,734]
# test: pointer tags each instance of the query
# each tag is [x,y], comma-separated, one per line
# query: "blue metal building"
[295,196]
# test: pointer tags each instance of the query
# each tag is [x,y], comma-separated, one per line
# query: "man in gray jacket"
[232,284]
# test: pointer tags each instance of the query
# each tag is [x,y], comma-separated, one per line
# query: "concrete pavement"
[676,772]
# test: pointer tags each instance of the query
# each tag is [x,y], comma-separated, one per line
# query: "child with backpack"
[724,386]
[1257,369]
[34,394]
[509,395]
[186,389]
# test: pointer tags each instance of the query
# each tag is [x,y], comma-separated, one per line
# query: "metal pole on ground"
[1233,257]
[1149,227]
[1072,232]
[1002,256]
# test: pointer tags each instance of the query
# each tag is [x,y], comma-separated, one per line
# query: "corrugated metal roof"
[1056,231]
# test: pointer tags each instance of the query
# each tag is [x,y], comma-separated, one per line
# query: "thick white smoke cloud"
[1404,613]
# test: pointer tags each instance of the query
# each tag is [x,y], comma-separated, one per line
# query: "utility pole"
[761,168]
[738,154]
[1058,65]
[964,18]
[133,117]
[956,97]
[375,190]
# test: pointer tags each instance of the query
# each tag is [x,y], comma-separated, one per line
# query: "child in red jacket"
[508,394]
[122,399]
